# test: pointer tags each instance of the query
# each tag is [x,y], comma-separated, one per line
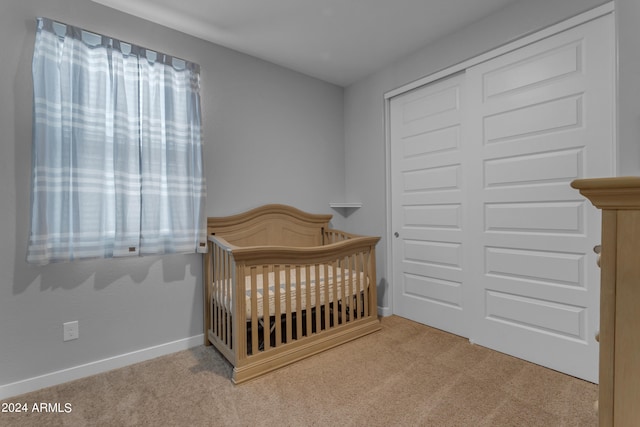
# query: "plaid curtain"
[117,149]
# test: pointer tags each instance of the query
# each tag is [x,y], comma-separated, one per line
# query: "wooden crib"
[280,285]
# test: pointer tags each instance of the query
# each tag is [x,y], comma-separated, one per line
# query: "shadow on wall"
[104,272]
[23,109]
[383,287]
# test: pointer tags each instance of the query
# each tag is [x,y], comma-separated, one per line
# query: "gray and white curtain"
[117,149]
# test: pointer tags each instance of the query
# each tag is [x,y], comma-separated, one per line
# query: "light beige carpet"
[405,375]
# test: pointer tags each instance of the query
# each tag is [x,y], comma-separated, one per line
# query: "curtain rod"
[62,29]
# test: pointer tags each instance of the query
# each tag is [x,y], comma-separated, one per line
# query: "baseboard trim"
[97,367]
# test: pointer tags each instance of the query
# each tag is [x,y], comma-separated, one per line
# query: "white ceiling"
[339,41]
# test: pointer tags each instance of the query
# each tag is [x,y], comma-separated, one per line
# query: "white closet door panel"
[428,189]
[538,168]
[542,116]
[538,217]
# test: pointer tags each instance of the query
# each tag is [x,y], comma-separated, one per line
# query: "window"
[117,149]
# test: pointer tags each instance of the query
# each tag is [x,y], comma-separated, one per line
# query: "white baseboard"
[97,367]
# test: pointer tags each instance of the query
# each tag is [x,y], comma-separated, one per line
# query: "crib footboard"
[269,306]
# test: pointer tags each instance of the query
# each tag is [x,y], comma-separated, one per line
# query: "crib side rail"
[259,255]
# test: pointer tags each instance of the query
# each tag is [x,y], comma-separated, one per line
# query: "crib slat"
[359,284]
[224,298]
[371,274]
[227,306]
[215,291]
[218,283]
[207,280]
[334,266]
[343,277]
[287,280]
[355,287]
[353,283]
[353,310]
[278,311]
[298,303]
[254,310]
[214,288]
[353,280]
[318,305]
[327,301]
[368,283]
[221,295]
[239,313]
[308,306]
[266,319]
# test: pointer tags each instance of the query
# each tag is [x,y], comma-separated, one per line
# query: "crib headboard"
[277,225]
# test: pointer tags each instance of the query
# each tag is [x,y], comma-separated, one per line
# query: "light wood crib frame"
[326,293]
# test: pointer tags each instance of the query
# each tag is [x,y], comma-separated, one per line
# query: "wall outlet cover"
[70,331]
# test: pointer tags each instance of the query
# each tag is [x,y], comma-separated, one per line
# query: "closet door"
[489,240]
[542,116]
[428,174]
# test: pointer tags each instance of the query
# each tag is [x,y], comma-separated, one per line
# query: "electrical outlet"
[70,330]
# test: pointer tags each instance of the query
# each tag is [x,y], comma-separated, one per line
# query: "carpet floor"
[407,374]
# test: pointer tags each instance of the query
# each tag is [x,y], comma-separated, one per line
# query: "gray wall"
[271,135]
[628,109]
[364,104]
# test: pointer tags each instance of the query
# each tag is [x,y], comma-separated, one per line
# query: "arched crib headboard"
[273,225]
